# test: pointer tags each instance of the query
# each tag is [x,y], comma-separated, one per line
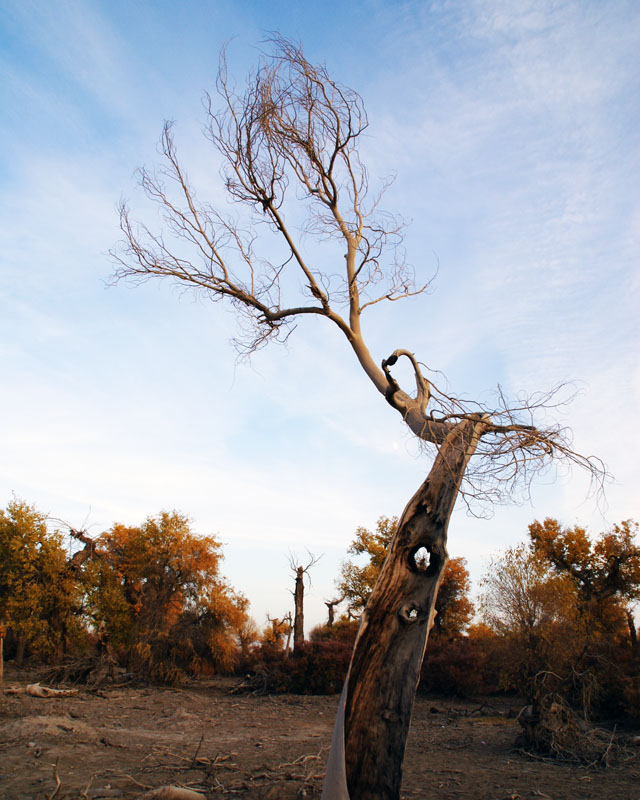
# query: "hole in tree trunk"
[410,612]
[421,559]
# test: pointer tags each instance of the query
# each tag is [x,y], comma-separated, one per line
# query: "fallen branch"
[57,780]
[552,731]
[85,793]
[173,793]
[35,690]
[137,783]
[195,755]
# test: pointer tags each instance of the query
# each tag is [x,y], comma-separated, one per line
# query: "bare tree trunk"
[331,608]
[388,653]
[287,643]
[22,643]
[2,632]
[633,632]
[298,622]
[332,614]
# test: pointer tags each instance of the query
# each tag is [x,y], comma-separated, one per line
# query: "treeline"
[554,616]
[555,613]
[148,598]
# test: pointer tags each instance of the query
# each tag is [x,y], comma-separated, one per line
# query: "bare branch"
[303,569]
[290,139]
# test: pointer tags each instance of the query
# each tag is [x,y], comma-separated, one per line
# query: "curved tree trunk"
[385,666]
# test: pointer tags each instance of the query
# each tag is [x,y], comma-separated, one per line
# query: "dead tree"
[92,549]
[331,610]
[298,596]
[278,629]
[298,620]
[292,138]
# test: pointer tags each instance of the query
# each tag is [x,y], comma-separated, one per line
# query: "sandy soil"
[121,742]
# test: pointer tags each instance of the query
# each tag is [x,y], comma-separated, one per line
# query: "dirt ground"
[122,742]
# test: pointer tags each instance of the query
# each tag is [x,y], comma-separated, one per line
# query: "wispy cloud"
[512,130]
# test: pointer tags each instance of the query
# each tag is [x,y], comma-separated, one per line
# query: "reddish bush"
[314,668]
[343,630]
[462,666]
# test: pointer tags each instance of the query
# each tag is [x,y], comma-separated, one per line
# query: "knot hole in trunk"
[424,560]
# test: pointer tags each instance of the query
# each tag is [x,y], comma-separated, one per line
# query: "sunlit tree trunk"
[387,657]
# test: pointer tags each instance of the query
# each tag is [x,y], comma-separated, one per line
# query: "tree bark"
[298,622]
[2,632]
[287,643]
[388,653]
[21,646]
[633,632]
[331,608]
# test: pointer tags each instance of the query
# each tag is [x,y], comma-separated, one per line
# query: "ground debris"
[36,690]
[204,740]
[551,729]
[173,793]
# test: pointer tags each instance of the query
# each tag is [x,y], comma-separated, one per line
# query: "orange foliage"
[561,609]
[157,592]
[276,631]
[605,572]
[455,610]
[39,596]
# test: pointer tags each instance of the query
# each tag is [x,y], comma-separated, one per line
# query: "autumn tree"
[290,138]
[39,596]
[277,632]
[533,612]
[248,636]
[157,592]
[358,579]
[562,609]
[455,609]
[605,572]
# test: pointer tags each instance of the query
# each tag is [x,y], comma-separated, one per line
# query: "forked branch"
[289,144]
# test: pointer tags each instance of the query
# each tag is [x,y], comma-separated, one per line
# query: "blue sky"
[512,130]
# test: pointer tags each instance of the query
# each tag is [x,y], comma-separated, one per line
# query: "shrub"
[318,667]
[463,666]
[343,630]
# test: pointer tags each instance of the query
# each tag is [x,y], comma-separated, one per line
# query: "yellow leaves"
[37,596]
[160,593]
[606,567]
[561,599]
